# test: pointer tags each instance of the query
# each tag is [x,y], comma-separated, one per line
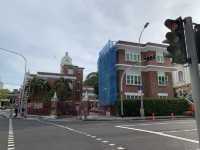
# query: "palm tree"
[62,88]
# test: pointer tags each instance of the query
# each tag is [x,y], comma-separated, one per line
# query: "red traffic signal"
[176,40]
[174,25]
[171,24]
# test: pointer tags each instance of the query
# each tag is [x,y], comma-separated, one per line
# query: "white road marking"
[174,131]
[98,139]
[156,123]
[161,134]
[11,142]
[10,136]
[88,135]
[81,132]
[120,148]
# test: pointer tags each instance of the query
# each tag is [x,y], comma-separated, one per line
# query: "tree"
[39,89]
[92,80]
[63,89]
[4,93]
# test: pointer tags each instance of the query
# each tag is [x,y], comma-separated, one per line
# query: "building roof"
[52,75]
[72,66]
[143,45]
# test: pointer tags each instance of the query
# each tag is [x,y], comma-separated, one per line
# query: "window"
[133,79]
[159,57]
[132,96]
[162,78]
[163,95]
[132,56]
[70,71]
[180,76]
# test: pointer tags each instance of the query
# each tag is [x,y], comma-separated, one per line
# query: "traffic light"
[176,40]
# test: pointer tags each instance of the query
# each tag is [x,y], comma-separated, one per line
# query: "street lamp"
[141,86]
[122,78]
[145,26]
[18,54]
[121,94]
[25,71]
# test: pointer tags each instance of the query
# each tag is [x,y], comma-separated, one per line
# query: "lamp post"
[121,94]
[141,86]
[25,71]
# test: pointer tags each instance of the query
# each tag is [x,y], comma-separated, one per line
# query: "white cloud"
[44,29]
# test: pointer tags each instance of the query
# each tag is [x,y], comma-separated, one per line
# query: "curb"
[138,118]
[101,118]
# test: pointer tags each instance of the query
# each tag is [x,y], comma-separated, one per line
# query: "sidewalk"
[51,118]
[103,118]
[111,118]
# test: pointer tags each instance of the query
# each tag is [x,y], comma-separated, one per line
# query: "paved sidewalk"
[103,118]
[107,118]
[51,118]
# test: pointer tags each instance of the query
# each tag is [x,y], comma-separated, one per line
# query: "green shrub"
[160,107]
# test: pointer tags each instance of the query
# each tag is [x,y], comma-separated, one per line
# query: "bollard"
[172,116]
[153,116]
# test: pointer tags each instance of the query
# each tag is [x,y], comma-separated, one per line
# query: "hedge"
[160,107]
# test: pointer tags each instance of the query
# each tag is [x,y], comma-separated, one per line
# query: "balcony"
[147,66]
[167,62]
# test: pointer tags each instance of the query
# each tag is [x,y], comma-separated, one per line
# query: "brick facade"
[77,84]
[72,73]
[151,88]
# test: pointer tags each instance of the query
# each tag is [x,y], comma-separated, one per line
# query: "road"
[98,135]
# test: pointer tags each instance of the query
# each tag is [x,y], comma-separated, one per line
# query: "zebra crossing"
[11,140]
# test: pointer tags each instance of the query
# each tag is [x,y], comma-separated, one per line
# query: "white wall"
[186,75]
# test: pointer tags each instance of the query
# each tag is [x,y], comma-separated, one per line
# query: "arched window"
[180,75]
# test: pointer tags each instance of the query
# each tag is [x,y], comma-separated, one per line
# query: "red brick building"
[69,72]
[134,66]
[72,73]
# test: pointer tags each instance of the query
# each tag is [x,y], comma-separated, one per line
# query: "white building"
[90,92]
[181,76]
[181,80]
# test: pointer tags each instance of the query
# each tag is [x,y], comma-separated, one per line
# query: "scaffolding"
[107,75]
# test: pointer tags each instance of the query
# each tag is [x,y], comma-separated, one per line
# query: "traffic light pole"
[194,69]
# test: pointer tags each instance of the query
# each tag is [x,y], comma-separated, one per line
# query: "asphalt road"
[90,135]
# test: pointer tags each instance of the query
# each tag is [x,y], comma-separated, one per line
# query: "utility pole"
[141,84]
[194,69]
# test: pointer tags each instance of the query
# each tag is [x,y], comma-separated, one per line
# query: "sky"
[43,30]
